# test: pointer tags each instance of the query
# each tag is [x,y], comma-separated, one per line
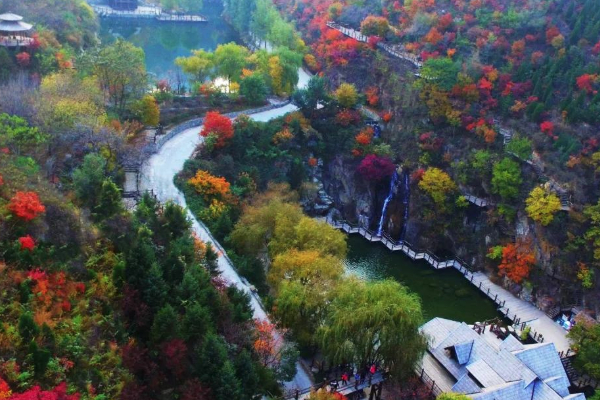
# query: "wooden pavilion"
[13,31]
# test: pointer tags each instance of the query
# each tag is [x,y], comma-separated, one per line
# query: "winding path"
[157,174]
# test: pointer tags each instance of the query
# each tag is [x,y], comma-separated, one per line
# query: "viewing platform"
[148,12]
[13,31]
[15,41]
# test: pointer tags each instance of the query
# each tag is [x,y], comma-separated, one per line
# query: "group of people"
[360,377]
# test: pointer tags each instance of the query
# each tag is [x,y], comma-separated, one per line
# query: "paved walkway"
[157,175]
[522,313]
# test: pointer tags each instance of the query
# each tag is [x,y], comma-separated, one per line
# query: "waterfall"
[389,197]
[406,197]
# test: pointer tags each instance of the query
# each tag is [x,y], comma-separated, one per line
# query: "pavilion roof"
[14,26]
[10,17]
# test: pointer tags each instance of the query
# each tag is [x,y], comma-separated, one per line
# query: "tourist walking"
[345,378]
[333,385]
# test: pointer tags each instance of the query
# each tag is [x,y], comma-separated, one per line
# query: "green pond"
[444,293]
[163,42]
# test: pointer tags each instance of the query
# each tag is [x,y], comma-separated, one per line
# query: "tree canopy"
[374,322]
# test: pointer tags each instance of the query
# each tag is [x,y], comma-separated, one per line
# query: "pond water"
[444,293]
[163,42]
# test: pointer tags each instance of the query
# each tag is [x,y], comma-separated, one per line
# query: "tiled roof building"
[460,360]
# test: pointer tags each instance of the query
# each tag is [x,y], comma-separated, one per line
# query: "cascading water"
[406,196]
[389,197]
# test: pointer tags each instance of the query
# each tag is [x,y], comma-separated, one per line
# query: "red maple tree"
[26,205]
[219,126]
[36,393]
[585,81]
[23,59]
[27,243]
[547,127]
[376,168]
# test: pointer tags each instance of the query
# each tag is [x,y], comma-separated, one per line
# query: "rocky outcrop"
[355,200]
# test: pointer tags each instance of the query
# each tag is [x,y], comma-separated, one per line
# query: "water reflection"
[164,42]
[444,293]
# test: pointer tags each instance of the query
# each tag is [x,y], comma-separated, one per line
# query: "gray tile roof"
[463,351]
[511,372]
[511,343]
[466,385]
[543,360]
[484,374]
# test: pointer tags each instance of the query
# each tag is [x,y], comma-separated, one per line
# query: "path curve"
[157,174]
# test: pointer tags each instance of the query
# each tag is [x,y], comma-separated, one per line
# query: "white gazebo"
[13,31]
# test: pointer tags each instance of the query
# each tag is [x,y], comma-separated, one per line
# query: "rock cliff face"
[361,202]
[469,236]
[356,201]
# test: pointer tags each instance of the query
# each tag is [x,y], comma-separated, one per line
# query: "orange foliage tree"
[517,261]
[219,126]
[268,342]
[433,36]
[372,94]
[26,205]
[365,136]
[52,291]
[209,186]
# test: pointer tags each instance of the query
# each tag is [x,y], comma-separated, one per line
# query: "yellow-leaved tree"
[542,205]
[438,185]
[66,100]
[346,95]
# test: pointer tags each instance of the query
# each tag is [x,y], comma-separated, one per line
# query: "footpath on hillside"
[157,176]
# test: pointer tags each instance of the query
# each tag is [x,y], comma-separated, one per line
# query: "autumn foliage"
[219,126]
[585,82]
[209,186]
[53,292]
[36,393]
[268,342]
[517,261]
[365,136]
[27,243]
[375,168]
[26,205]
[548,128]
